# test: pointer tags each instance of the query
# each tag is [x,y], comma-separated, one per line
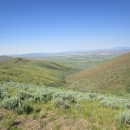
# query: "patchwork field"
[80,61]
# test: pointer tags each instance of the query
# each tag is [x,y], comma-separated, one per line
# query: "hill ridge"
[113,74]
[35,72]
[5,58]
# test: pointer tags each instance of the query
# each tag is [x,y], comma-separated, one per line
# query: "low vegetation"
[52,106]
[34,72]
[80,61]
[5,58]
[34,94]
[112,76]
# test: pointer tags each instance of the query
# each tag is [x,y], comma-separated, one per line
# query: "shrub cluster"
[64,99]
[14,103]
[4,94]
[124,117]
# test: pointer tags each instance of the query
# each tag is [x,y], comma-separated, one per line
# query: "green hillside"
[111,75]
[28,102]
[34,72]
[5,58]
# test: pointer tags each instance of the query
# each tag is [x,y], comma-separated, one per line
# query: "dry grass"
[114,74]
[58,123]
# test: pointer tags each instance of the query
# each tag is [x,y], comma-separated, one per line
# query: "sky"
[46,26]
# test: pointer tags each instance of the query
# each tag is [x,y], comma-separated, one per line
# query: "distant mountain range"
[103,51]
[120,48]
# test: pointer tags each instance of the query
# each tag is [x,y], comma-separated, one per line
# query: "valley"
[65,93]
[64,64]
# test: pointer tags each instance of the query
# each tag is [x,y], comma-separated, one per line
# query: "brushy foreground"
[58,109]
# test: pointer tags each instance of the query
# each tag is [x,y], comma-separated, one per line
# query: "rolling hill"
[5,58]
[26,102]
[111,75]
[34,72]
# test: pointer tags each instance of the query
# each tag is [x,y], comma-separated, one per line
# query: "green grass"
[34,72]
[49,104]
[37,91]
[5,58]
[80,61]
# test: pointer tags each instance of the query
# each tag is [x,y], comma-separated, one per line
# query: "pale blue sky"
[40,26]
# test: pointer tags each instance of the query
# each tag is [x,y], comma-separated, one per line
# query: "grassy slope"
[5,58]
[58,109]
[64,109]
[112,75]
[34,72]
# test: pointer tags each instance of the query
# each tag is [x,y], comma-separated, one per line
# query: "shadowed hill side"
[23,61]
[5,58]
[34,72]
[111,75]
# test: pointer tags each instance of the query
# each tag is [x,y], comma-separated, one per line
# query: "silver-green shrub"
[14,103]
[4,94]
[128,105]
[124,117]
[92,95]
